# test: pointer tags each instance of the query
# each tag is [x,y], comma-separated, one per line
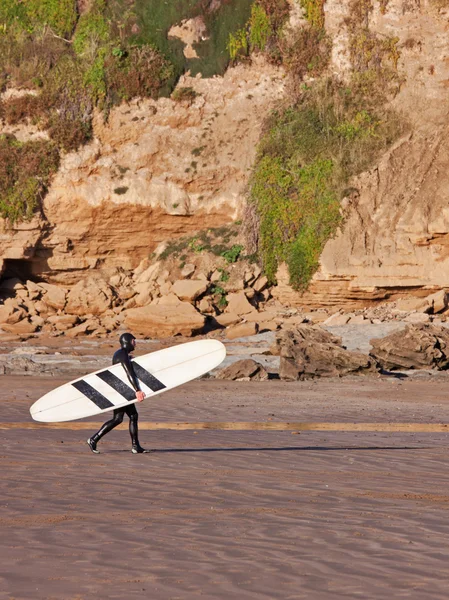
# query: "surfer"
[127,345]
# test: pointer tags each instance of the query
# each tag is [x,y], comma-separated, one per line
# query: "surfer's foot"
[140,450]
[93,446]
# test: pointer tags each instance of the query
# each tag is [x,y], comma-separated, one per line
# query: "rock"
[54,295]
[144,293]
[309,352]
[293,322]
[420,346]
[34,291]
[216,276]
[10,314]
[78,331]
[418,317]
[205,305]
[359,320]
[110,322]
[259,317]
[22,327]
[241,330]
[318,316]
[63,322]
[189,289]
[227,319]
[437,302]
[188,270]
[336,319]
[244,370]
[260,283]
[151,273]
[165,288]
[238,304]
[37,321]
[410,303]
[90,295]
[249,293]
[165,320]
[43,308]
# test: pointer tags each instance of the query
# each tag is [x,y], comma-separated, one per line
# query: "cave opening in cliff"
[17,267]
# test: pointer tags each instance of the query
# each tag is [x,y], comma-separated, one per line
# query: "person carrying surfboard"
[123,356]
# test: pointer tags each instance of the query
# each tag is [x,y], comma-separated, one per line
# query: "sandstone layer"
[155,170]
[395,235]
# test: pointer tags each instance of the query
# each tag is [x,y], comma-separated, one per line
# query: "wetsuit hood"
[126,341]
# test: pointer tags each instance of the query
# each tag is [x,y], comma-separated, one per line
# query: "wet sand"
[231,514]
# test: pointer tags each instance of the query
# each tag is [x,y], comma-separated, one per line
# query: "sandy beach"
[231,514]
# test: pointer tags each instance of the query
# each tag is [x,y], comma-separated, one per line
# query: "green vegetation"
[305,160]
[232,255]
[220,294]
[314,12]
[25,171]
[261,30]
[216,240]
[114,51]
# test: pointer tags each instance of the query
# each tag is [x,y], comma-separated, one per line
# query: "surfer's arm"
[129,370]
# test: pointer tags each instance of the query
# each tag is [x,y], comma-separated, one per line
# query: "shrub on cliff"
[25,172]
[306,157]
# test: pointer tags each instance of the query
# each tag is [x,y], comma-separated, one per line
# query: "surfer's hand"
[140,396]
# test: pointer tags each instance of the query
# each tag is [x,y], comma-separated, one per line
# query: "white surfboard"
[108,389]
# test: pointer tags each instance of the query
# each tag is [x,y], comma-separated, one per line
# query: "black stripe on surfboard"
[148,379]
[93,395]
[118,385]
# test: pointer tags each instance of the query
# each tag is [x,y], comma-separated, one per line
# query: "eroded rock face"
[396,228]
[155,171]
[422,346]
[309,351]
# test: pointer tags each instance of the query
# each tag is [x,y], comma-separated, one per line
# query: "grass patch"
[25,172]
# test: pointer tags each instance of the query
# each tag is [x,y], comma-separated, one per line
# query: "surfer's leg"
[133,415]
[106,428]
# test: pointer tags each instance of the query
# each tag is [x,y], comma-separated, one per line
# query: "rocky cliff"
[394,238]
[160,169]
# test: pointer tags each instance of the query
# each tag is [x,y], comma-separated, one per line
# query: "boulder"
[260,284]
[227,319]
[11,313]
[244,370]
[187,271]
[359,320]
[53,295]
[63,322]
[336,319]
[417,317]
[419,346]
[241,330]
[205,305]
[438,301]
[189,289]
[89,296]
[165,320]
[20,328]
[144,293]
[34,291]
[78,331]
[238,304]
[309,351]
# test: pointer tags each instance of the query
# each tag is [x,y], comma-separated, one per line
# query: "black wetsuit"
[122,356]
